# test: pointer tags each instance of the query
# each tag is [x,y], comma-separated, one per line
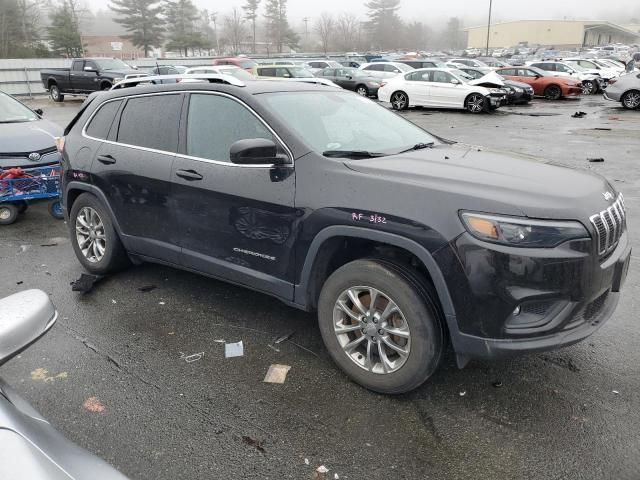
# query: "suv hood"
[474,179]
[490,80]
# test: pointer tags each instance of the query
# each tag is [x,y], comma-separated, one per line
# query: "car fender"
[86,187]
[300,290]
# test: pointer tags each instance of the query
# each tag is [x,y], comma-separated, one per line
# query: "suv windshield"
[297,72]
[345,122]
[12,111]
[111,64]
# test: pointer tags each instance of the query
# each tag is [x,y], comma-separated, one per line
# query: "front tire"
[8,213]
[553,92]
[399,101]
[94,239]
[589,87]
[379,326]
[362,90]
[631,100]
[475,103]
[55,93]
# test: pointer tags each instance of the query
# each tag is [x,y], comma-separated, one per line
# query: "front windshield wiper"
[352,154]
[417,146]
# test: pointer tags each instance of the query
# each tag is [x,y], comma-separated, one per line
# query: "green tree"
[141,18]
[19,29]
[234,29]
[64,31]
[278,29]
[251,13]
[181,17]
[384,22]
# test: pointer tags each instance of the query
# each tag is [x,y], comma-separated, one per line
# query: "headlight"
[116,80]
[522,232]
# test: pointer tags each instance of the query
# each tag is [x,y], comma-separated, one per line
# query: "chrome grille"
[610,224]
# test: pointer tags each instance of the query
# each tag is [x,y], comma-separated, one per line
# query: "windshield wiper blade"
[418,146]
[352,154]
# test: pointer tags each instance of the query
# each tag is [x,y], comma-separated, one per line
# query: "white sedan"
[443,88]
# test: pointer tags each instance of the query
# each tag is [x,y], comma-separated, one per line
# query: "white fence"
[21,77]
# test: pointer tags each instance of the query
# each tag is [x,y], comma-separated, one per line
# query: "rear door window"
[100,124]
[215,122]
[151,122]
[267,72]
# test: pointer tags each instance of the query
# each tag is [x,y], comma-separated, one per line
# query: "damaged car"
[518,93]
[443,88]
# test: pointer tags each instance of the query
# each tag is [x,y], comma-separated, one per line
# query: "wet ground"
[570,414]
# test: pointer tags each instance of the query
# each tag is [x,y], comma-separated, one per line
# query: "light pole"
[489,26]
[214,18]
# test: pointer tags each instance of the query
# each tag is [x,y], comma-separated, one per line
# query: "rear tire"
[94,239]
[399,101]
[8,213]
[589,87]
[55,93]
[553,92]
[631,100]
[55,210]
[362,90]
[414,328]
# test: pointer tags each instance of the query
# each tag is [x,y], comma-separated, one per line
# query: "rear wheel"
[8,213]
[475,103]
[95,241]
[589,87]
[631,100]
[362,90]
[553,92]
[379,326]
[55,210]
[55,93]
[399,101]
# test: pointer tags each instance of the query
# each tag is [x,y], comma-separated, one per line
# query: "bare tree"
[347,26]
[325,26]
[235,31]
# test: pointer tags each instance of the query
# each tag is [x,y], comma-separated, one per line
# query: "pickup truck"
[86,75]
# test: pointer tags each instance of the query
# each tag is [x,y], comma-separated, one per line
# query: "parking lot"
[568,414]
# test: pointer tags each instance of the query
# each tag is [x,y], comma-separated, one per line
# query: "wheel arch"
[105,83]
[75,189]
[50,82]
[320,262]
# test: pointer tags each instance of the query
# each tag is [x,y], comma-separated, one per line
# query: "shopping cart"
[19,187]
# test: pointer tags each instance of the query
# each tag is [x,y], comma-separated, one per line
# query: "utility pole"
[489,26]
[306,32]
[214,18]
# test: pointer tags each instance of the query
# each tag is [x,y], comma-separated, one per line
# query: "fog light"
[517,311]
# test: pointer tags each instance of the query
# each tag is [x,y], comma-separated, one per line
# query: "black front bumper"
[511,300]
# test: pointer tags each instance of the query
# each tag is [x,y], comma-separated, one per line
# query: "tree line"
[178,25]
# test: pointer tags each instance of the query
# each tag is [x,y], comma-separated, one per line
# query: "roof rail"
[191,77]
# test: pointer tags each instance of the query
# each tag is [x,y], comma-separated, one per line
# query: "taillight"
[60,143]
[382,84]
[612,81]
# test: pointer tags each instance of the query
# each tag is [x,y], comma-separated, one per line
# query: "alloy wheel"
[5,213]
[371,329]
[362,91]
[631,100]
[475,104]
[588,88]
[90,234]
[399,101]
[55,93]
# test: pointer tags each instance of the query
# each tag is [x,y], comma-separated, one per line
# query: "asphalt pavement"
[568,414]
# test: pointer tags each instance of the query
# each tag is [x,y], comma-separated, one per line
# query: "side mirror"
[255,151]
[349,77]
[39,111]
[24,317]
[455,81]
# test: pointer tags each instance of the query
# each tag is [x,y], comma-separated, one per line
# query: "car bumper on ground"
[513,300]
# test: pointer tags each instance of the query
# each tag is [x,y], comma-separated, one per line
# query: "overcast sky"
[434,11]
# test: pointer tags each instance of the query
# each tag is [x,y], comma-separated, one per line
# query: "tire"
[55,210]
[108,255]
[553,92]
[105,86]
[631,100]
[55,93]
[8,213]
[416,317]
[22,206]
[475,103]
[399,101]
[362,90]
[589,87]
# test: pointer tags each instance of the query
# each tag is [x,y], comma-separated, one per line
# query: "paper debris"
[322,469]
[277,373]
[233,349]
[191,358]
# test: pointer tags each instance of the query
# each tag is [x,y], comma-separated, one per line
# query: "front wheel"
[380,326]
[55,93]
[399,101]
[631,100]
[93,237]
[589,87]
[362,90]
[8,213]
[475,103]
[553,92]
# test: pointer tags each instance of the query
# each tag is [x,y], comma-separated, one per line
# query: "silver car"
[626,90]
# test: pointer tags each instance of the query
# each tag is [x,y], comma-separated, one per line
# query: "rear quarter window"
[151,122]
[100,124]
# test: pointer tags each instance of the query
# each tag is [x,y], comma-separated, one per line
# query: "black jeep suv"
[326,200]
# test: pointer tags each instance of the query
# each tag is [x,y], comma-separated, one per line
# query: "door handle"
[106,159]
[190,175]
